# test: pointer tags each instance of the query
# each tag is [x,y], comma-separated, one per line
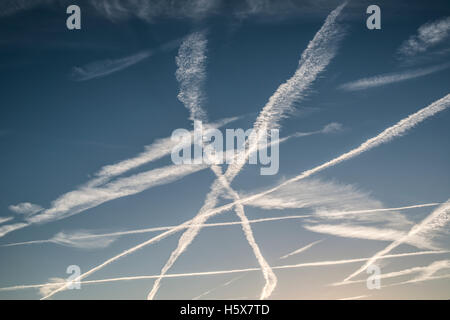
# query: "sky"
[87,178]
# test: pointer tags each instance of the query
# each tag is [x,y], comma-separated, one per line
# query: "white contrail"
[426,272]
[7,228]
[191,74]
[269,275]
[369,233]
[218,287]
[122,254]
[86,197]
[5,219]
[440,214]
[302,249]
[330,201]
[385,79]
[102,68]
[387,135]
[314,60]
[75,237]
[209,273]
[344,213]
[163,147]
[157,150]
[445,276]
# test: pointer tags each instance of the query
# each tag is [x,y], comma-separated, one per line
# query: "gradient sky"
[56,132]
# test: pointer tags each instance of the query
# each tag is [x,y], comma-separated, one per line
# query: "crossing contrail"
[385,136]
[191,74]
[441,214]
[314,60]
[302,249]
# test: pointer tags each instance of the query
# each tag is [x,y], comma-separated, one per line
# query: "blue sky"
[59,128]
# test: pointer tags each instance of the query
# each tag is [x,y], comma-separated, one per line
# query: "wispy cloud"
[333,201]
[148,10]
[152,10]
[118,10]
[385,79]
[332,127]
[277,9]
[302,249]
[50,286]
[82,240]
[9,7]
[101,68]
[428,35]
[25,208]
[319,194]
[432,223]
